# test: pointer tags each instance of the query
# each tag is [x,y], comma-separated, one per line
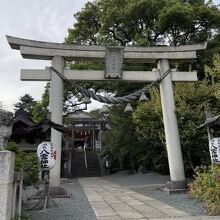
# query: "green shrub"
[27,161]
[24,215]
[206,187]
[19,156]
[30,168]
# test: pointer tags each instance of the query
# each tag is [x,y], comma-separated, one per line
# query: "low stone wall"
[10,187]
[10,181]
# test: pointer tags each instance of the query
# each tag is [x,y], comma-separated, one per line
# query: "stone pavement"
[114,202]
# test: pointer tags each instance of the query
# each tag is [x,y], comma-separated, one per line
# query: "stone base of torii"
[114,59]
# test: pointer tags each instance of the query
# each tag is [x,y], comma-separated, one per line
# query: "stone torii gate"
[114,59]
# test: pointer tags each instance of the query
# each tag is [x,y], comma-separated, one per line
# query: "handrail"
[85,156]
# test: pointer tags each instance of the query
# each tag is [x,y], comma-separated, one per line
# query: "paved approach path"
[111,201]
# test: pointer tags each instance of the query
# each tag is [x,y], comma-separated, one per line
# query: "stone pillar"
[56,108]
[20,195]
[174,152]
[14,197]
[6,183]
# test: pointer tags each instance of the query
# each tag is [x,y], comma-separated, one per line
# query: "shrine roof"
[22,116]
[84,117]
[213,122]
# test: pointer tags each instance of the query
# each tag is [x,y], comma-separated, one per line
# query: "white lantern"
[46,153]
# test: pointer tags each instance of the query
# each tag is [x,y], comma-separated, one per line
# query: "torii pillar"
[56,109]
[114,59]
[174,151]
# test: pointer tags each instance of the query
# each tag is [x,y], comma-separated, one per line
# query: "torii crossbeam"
[114,57]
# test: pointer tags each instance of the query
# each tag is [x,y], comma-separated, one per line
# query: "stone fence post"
[7,159]
[6,183]
[17,195]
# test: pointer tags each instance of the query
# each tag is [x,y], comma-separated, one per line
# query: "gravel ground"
[179,201]
[76,207]
[150,184]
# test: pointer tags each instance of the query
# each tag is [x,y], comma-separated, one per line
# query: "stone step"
[78,165]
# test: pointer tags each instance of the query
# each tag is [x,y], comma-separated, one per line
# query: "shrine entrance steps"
[78,168]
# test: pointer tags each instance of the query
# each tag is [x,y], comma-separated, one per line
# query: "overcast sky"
[44,20]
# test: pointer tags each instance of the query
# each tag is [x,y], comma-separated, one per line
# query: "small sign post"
[46,153]
[214,148]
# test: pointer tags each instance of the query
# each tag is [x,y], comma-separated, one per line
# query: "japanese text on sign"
[214,148]
[46,153]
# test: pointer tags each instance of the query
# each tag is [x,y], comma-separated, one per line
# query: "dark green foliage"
[19,156]
[26,102]
[128,148]
[150,130]
[191,100]
[40,110]
[120,141]
[213,71]
[149,23]
[25,215]
[144,22]
[30,168]
[37,110]
[206,187]
[26,161]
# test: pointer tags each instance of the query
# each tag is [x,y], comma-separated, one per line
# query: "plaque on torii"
[114,57]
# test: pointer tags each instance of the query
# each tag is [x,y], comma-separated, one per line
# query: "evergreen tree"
[26,102]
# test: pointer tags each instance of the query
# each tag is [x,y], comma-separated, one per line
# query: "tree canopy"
[25,102]
[41,108]
[144,22]
[139,139]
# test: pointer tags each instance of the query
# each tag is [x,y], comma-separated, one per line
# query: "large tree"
[145,22]
[150,23]
[41,109]
[26,103]
[191,100]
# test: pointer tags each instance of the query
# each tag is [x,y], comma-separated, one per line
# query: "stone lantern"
[6,119]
